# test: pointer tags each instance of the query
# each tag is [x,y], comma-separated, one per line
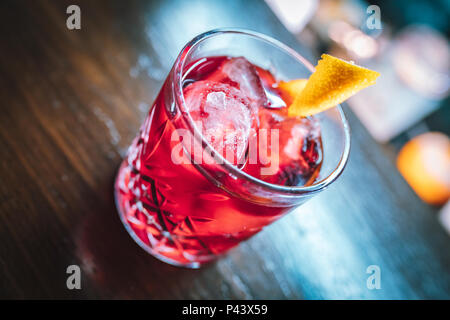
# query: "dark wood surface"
[71,102]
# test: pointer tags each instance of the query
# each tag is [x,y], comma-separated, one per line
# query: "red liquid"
[172,209]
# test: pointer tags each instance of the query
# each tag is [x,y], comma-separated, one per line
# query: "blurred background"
[407,112]
[73,100]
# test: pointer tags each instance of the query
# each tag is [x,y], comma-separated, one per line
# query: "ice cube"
[240,73]
[225,117]
[299,149]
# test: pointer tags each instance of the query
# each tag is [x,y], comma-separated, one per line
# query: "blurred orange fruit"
[424,162]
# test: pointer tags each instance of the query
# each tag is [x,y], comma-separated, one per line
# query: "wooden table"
[71,102]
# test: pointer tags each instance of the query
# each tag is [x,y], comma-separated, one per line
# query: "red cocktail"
[217,158]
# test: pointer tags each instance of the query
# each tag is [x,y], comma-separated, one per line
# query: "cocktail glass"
[189,213]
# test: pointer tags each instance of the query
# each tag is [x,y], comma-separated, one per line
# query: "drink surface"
[176,213]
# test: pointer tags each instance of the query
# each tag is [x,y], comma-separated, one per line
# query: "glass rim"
[229,167]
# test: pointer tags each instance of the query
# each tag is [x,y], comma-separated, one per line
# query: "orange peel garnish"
[333,82]
[293,87]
